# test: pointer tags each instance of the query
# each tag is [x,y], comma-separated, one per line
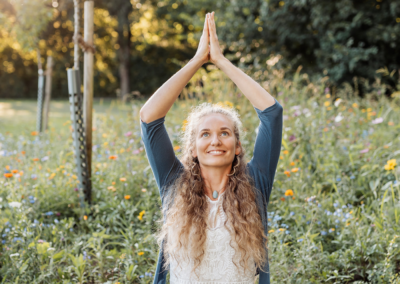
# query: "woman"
[214,203]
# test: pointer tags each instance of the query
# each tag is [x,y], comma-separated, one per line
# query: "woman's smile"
[216,152]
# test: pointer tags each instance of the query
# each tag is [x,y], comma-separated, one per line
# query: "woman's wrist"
[198,61]
[221,62]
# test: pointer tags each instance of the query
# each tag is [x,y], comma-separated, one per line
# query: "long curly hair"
[188,210]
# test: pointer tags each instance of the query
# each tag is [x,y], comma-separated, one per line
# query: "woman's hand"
[203,50]
[216,55]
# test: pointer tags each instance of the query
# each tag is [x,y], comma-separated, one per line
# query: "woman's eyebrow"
[222,128]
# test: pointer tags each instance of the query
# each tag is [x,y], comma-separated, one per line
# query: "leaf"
[58,255]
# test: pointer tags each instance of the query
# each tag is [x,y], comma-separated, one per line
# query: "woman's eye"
[203,135]
[225,133]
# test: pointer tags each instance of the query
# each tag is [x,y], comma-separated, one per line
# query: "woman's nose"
[215,140]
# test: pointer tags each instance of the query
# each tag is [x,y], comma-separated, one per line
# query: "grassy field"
[333,215]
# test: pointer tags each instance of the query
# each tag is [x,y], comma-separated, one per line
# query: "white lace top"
[217,266]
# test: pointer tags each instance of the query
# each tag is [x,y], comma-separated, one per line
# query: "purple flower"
[280,93]
[292,137]
[327,90]
[364,151]
[129,133]
[377,120]
[137,151]
[76,189]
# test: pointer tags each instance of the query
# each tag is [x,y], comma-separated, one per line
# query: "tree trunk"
[124,41]
[47,92]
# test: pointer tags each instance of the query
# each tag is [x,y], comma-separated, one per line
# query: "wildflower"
[52,175]
[45,158]
[34,133]
[355,105]
[14,171]
[323,233]
[176,148]
[8,175]
[35,159]
[285,152]
[228,103]
[338,179]
[127,134]
[352,177]
[390,165]
[76,189]
[271,231]
[282,198]
[281,229]
[113,157]
[140,217]
[294,170]
[137,151]
[111,188]
[15,204]
[185,122]
[292,163]
[291,213]
[122,179]
[289,192]
[331,230]
[144,190]
[287,173]
[390,123]
[327,103]
[74,176]
[140,253]
[127,197]
[364,151]
[377,120]
[299,240]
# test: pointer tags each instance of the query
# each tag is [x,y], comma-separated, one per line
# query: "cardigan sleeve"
[160,152]
[267,147]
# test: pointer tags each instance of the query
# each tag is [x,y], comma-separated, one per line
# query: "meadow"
[333,214]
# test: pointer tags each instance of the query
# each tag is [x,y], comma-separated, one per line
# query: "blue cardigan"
[261,168]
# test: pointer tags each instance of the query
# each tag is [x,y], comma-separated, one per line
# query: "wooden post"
[47,92]
[88,80]
[76,34]
[39,121]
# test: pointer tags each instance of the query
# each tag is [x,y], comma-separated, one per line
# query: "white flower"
[339,117]
[337,102]
[15,254]
[15,204]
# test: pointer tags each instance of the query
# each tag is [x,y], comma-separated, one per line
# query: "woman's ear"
[194,153]
[238,148]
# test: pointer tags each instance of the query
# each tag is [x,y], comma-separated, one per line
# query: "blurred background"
[141,43]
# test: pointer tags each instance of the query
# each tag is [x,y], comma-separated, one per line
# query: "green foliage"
[339,226]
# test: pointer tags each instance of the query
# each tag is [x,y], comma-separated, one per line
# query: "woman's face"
[215,141]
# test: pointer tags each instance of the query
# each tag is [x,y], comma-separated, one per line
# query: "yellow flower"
[287,173]
[355,105]
[390,123]
[144,190]
[140,253]
[141,215]
[85,217]
[185,122]
[295,170]
[127,197]
[228,103]
[327,103]
[52,175]
[289,192]
[122,179]
[111,188]
[176,148]
[328,96]
[390,165]
[74,177]
[281,229]
[285,152]
[271,231]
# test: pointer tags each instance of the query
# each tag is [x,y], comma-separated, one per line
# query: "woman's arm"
[256,94]
[162,100]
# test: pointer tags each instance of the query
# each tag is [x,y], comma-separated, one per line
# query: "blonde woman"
[214,203]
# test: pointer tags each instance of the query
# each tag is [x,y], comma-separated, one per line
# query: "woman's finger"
[211,28]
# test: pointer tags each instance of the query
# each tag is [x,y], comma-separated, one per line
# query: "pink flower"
[364,151]
[137,151]
[129,133]
[377,120]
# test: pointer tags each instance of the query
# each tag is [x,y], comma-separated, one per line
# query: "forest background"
[141,43]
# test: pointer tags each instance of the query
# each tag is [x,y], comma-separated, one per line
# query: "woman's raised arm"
[256,94]
[162,100]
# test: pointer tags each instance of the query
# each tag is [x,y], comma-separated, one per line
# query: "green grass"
[341,225]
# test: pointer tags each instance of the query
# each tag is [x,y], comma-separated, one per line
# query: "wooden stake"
[47,92]
[88,80]
[76,34]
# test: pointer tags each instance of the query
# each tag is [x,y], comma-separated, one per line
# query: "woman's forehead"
[215,120]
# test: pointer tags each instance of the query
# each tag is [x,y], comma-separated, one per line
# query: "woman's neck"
[214,179]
